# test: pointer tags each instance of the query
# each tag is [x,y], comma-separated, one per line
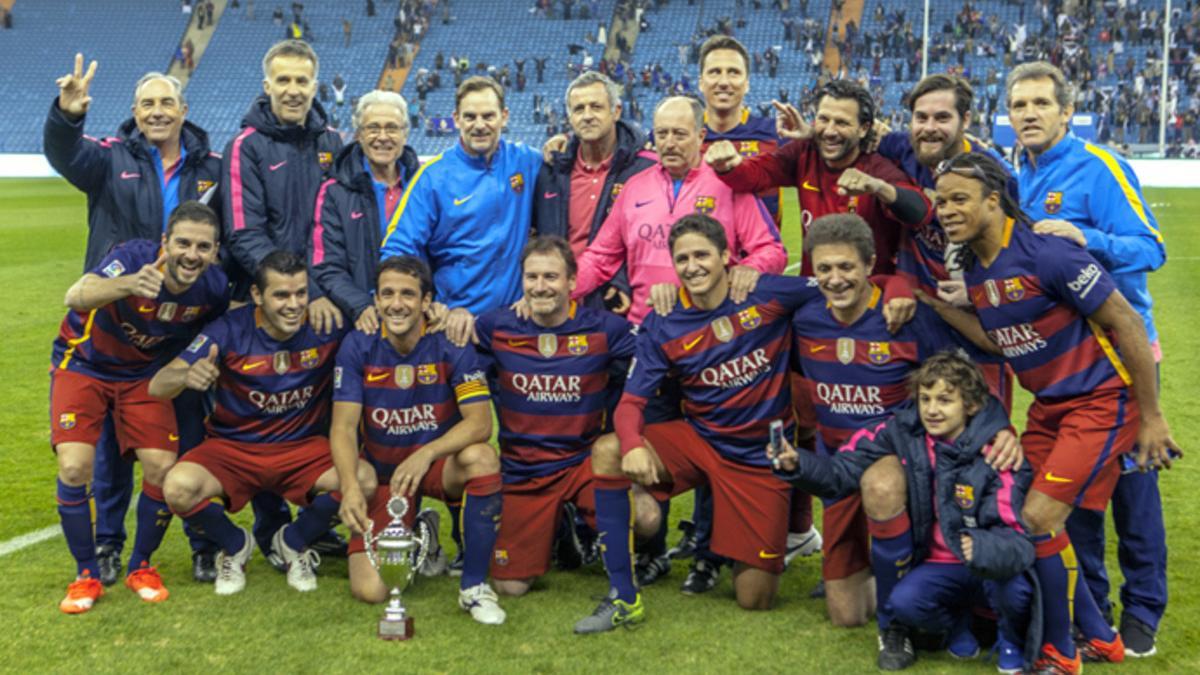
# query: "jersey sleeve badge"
[113,269]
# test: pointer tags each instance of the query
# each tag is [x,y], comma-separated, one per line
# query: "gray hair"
[593,77]
[298,48]
[176,85]
[697,108]
[1036,70]
[379,97]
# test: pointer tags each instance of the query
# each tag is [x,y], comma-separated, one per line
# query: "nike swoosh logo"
[252,366]
[549,195]
[1056,479]
[768,556]
[687,346]
[377,377]
[638,205]
[126,175]
[276,166]
[355,215]
[815,348]
[460,202]
[172,437]
[145,309]
[517,343]
[810,187]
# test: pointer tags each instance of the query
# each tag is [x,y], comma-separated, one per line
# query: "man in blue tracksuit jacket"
[467,212]
[132,181]
[1089,194]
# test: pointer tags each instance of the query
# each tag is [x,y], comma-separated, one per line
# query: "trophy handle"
[369,544]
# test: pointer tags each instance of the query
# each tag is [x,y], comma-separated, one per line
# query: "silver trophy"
[395,553]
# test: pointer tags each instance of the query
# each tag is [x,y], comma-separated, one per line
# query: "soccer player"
[423,407]
[1056,316]
[272,370]
[832,172]
[273,170]
[158,160]
[356,204]
[467,211]
[576,189]
[1090,196]
[552,377]
[958,536]
[130,314]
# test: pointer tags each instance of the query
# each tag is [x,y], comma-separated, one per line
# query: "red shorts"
[530,519]
[1075,444]
[289,469]
[847,544]
[431,486]
[79,403]
[802,404]
[750,505]
[999,378]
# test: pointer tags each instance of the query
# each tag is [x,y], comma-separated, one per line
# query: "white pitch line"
[29,539]
[794,266]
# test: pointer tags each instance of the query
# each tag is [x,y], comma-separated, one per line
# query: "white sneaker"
[301,565]
[433,559]
[483,604]
[231,569]
[803,544]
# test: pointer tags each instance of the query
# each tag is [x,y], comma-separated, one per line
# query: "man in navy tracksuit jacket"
[131,192]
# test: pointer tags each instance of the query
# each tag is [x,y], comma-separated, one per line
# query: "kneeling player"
[133,312]
[272,372]
[552,372]
[424,409]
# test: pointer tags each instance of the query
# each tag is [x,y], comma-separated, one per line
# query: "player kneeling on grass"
[957,539]
[139,307]
[552,373]
[424,410]
[272,372]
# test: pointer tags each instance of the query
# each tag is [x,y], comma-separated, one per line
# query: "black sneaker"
[895,649]
[568,549]
[650,569]
[818,591]
[455,568]
[701,578]
[330,544]
[109,558]
[1138,637]
[204,566]
[686,547]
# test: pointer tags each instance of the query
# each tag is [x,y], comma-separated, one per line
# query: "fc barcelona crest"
[1053,203]
[748,148]
[879,353]
[548,344]
[325,159]
[616,190]
[309,358]
[964,495]
[845,350]
[723,329]
[749,318]
[1014,290]
[852,205]
[993,292]
[67,421]
[190,313]
[203,186]
[404,376]
[577,345]
[166,311]
[517,183]
[427,373]
[282,362]
[706,204]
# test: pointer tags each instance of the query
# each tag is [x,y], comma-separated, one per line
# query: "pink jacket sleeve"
[605,255]
[757,235]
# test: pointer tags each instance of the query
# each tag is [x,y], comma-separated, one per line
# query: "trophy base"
[396,630]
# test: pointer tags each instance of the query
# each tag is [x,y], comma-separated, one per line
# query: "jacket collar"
[264,121]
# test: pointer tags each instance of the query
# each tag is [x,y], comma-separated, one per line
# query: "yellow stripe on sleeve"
[404,199]
[1131,195]
[1111,353]
[72,344]
[470,390]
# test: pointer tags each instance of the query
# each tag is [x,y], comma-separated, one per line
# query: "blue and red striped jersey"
[268,391]
[732,363]
[753,136]
[409,399]
[551,385]
[1034,301]
[131,338]
[859,372]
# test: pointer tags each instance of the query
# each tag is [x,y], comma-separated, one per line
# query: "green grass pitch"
[270,628]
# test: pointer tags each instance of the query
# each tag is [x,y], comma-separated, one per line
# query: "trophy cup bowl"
[391,552]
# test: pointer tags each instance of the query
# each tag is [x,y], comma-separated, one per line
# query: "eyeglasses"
[390,130]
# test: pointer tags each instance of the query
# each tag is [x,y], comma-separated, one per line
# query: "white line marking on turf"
[29,539]
[794,266]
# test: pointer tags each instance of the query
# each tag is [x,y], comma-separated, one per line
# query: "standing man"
[129,315]
[273,170]
[133,182]
[468,210]
[577,188]
[1095,202]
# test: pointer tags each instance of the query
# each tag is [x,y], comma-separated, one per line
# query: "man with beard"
[133,181]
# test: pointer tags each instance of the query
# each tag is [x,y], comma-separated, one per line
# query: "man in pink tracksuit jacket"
[635,232]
